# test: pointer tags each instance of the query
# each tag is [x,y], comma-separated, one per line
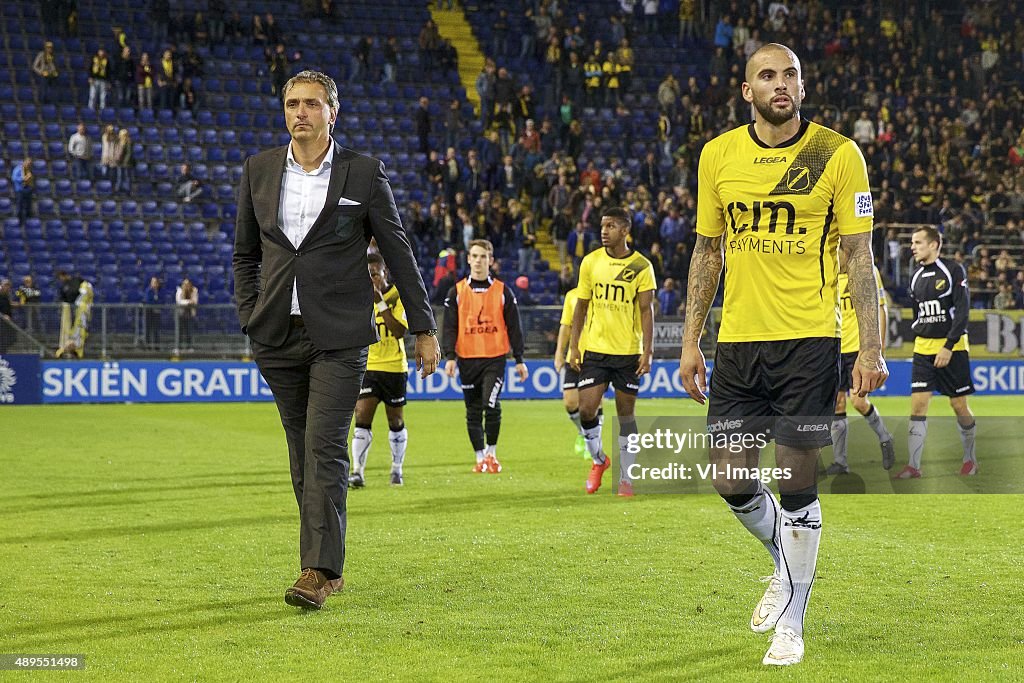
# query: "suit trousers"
[316,393]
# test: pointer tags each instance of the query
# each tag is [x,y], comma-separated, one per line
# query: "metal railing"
[136,331]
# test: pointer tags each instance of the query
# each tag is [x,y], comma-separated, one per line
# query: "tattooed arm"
[869,372]
[705,274]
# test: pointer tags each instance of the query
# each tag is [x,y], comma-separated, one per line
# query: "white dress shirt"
[303,197]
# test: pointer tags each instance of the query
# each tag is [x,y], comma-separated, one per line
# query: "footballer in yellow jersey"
[616,306]
[570,377]
[384,379]
[848,356]
[773,199]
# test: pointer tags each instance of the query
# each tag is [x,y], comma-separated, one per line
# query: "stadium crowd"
[932,96]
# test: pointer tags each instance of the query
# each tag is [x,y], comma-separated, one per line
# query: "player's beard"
[773,116]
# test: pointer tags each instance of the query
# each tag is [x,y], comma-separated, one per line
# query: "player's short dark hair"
[931,234]
[617,213]
[374,257]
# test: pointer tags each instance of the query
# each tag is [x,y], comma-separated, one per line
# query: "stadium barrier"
[27,379]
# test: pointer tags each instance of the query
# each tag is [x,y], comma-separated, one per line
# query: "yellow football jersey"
[613,285]
[568,308]
[388,355]
[780,212]
[851,331]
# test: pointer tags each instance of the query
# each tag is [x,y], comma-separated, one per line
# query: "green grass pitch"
[157,540]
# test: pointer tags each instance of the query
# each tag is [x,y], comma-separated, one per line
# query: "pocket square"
[348,202]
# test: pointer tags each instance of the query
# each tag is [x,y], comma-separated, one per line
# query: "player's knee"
[493,412]
[795,500]
[739,496]
[396,425]
[571,403]
[364,425]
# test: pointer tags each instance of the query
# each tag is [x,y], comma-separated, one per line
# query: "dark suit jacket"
[334,288]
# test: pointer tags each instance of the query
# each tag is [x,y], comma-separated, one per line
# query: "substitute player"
[774,197]
[616,305]
[481,326]
[570,378]
[384,380]
[941,354]
[848,355]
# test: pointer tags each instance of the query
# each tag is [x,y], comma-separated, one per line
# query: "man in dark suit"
[306,213]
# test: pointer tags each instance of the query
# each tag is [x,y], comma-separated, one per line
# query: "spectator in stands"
[451,175]
[1016,154]
[258,31]
[864,130]
[272,30]
[79,294]
[612,71]
[566,280]
[122,76]
[27,296]
[390,51]
[504,123]
[80,151]
[153,314]
[24,182]
[723,32]
[422,120]
[277,65]
[453,124]
[166,81]
[625,59]
[504,88]
[359,60]
[428,42]
[578,244]
[45,68]
[1005,299]
[123,162]
[188,98]
[668,298]
[188,188]
[433,171]
[159,19]
[6,333]
[526,241]
[485,89]
[108,151]
[510,178]
[234,27]
[187,299]
[99,80]
[145,78]
[499,34]
[215,12]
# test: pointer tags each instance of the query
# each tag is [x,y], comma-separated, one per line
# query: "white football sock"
[575,417]
[967,435]
[800,534]
[839,428]
[876,423]
[492,449]
[916,433]
[480,456]
[398,441]
[361,441]
[593,437]
[625,458]
[761,518]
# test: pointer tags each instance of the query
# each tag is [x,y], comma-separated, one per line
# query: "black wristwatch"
[430,333]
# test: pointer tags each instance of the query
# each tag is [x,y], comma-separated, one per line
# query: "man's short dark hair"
[374,257]
[620,215]
[931,234]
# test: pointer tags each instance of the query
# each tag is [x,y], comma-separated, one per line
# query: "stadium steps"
[546,244]
[452,25]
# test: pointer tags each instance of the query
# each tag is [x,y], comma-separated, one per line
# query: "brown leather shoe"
[336,585]
[312,588]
